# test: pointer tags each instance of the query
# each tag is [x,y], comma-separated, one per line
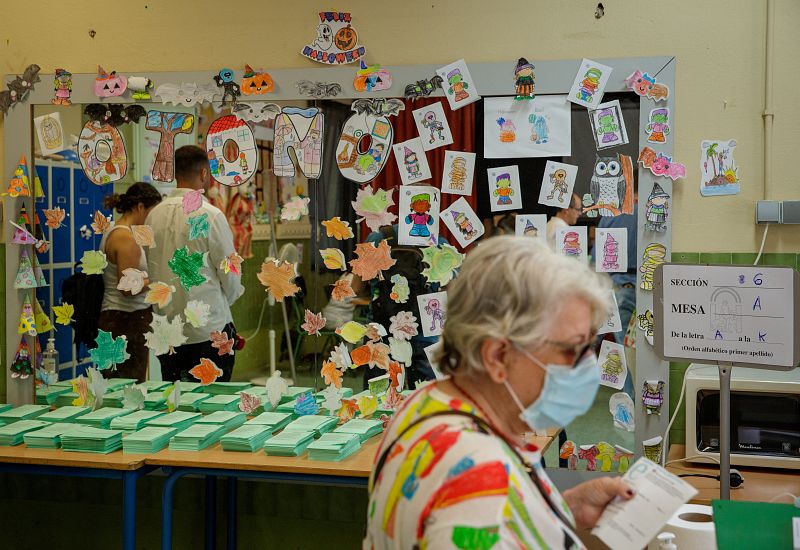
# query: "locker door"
[61,239]
[83,213]
[63,333]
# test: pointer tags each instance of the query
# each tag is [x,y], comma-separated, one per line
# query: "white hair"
[513,287]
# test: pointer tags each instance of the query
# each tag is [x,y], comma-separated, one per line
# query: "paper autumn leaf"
[340,355]
[159,294]
[360,356]
[80,386]
[109,351]
[396,375]
[164,335]
[400,350]
[221,342]
[187,267]
[338,229]
[403,325]
[352,331]
[143,235]
[100,224]
[373,208]
[331,374]
[232,264]
[276,388]
[192,200]
[54,217]
[372,260]
[206,371]
[314,322]
[342,290]
[197,313]
[305,405]
[173,396]
[375,332]
[372,354]
[64,313]
[348,410]
[133,397]
[249,402]
[97,387]
[198,226]
[332,398]
[132,280]
[367,404]
[93,262]
[333,258]
[277,277]
[443,261]
[295,208]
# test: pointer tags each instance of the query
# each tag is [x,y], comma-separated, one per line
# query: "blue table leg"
[173,475]
[129,479]
[232,509]
[211,513]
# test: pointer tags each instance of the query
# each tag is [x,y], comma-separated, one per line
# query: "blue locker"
[60,196]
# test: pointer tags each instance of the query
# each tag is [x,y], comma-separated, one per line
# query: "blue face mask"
[568,392]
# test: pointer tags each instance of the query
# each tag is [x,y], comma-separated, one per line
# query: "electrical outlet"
[790,212]
[768,212]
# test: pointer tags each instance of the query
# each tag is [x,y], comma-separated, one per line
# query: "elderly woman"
[453,470]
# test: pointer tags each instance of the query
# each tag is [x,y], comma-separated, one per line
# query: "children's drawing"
[333,258]
[611,186]
[654,255]
[538,127]
[569,453]
[558,181]
[317,89]
[524,79]
[400,290]
[719,174]
[198,226]
[289,124]
[572,241]
[109,351]
[504,188]
[336,42]
[295,208]
[20,185]
[188,267]
[165,335]
[160,294]
[109,84]
[256,82]
[661,165]
[653,448]
[372,260]
[531,225]
[278,278]
[367,137]
[19,88]
[589,84]
[459,87]
[653,396]
[62,84]
[613,368]
[463,222]
[256,111]
[423,88]
[658,126]
[645,322]
[232,151]
[93,262]
[589,454]
[657,209]
[140,87]
[620,405]
[64,313]
[230,89]
[102,153]
[612,250]
[197,313]
[187,94]
[411,161]
[432,126]
[49,133]
[458,172]
[443,262]
[432,312]
[373,207]
[371,78]
[206,371]
[221,342]
[338,229]
[644,85]
[419,215]
[608,125]
[25,277]
[168,125]
[132,280]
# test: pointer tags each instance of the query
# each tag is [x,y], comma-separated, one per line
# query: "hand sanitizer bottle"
[50,357]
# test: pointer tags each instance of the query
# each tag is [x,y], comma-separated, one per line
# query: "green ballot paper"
[177,419]
[101,418]
[23,412]
[313,423]
[196,437]
[147,440]
[65,414]
[288,443]
[229,419]
[275,420]
[363,428]
[226,388]
[88,439]
[222,402]
[134,421]
[248,438]
[334,446]
[13,434]
[47,437]
[190,402]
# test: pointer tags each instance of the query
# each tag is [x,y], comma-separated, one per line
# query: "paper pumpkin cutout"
[276,387]
[314,322]
[80,386]
[164,335]
[332,398]
[159,294]
[197,313]
[340,356]
[192,200]
[295,208]
[308,150]
[277,277]
[372,260]
[400,290]
[22,366]
[366,141]
[64,313]
[168,125]
[187,267]
[187,94]
[400,350]
[232,152]
[109,84]
[249,402]
[43,323]
[93,262]
[132,280]
[443,261]
[333,258]
[371,78]
[331,374]
[25,277]
[338,229]
[373,207]
[109,351]
[305,405]
[102,153]
[101,223]
[232,264]
[143,235]
[352,331]
[221,342]
[342,290]
[198,226]
[206,371]
[19,186]
[256,82]
[336,42]
[173,396]
[403,325]
[54,217]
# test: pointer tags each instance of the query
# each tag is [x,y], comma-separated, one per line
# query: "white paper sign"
[432,312]
[572,241]
[612,250]
[539,127]
[504,190]
[589,84]
[419,215]
[50,133]
[434,131]
[458,86]
[557,184]
[458,173]
[613,367]
[411,161]
[463,222]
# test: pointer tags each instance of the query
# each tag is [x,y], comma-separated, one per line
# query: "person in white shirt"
[563,218]
[219,290]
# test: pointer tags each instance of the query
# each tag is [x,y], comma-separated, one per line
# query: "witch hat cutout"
[21,235]
[38,191]
[22,367]
[43,323]
[38,274]
[20,186]
[25,276]
[27,324]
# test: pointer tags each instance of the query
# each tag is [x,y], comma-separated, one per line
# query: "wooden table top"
[760,484]
[117,460]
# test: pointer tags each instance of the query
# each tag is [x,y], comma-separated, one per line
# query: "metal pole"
[725,430]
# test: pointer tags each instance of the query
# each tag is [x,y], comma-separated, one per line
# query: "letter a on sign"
[308,150]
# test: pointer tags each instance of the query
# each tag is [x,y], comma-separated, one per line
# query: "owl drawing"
[611,186]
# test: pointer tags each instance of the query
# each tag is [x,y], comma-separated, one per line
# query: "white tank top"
[113,298]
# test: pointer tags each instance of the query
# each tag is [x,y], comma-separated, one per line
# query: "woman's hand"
[588,500]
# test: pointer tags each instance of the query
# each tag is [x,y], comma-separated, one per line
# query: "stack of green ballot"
[274,420]
[65,414]
[23,412]
[87,439]
[180,420]
[261,393]
[189,387]
[114,399]
[293,392]
[247,438]
[317,424]
[363,428]
[155,401]
[101,418]
[334,446]
[65,399]
[134,421]
[229,419]
[13,433]
[47,395]
[226,388]
[4,407]
[48,437]
[154,385]
[288,443]
[220,403]
[147,440]
[196,437]
[191,401]
[115,384]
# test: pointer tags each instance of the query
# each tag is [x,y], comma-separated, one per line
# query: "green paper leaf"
[198,226]
[187,267]
[93,262]
[109,351]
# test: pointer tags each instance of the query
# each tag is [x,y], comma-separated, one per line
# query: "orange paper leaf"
[221,342]
[342,290]
[372,354]
[314,322]
[101,223]
[206,371]
[160,294]
[55,217]
[360,356]
[332,374]
[338,229]
[277,277]
[348,410]
[143,235]
[372,260]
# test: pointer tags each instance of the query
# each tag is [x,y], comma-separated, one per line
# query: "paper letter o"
[232,152]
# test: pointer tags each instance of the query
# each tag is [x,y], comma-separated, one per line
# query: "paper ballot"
[632,524]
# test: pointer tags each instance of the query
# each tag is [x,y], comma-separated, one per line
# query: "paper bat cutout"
[164,335]
[645,85]
[403,325]
[197,313]
[192,200]
[318,90]
[331,374]
[133,397]
[256,111]
[64,313]
[423,88]
[109,351]
[342,290]
[159,294]
[93,262]
[100,224]
[373,207]
[221,342]
[198,226]
[206,371]
[143,235]
[372,260]
[232,264]
[187,267]
[54,217]
[249,402]
[276,388]
[295,208]
[132,280]
[277,277]
[19,88]
[314,322]
[114,114]
[338,229]
[333,258]
[230,90]
[187,94]
[443,262]
[661,165]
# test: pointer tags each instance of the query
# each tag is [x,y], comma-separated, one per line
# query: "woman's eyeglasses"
[576,351]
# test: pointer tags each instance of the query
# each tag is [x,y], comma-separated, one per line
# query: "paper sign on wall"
[531,225]
[419,215]
[504,189]
[612,250]
[336,42]
[463,222]
[590,83]
[434,131]
[557,184]
[539,127]
[458,172]
[719,174]
[411,161]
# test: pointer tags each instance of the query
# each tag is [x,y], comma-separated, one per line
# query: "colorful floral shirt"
[445,484]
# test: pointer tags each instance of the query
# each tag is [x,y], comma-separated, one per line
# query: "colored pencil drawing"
[719,174]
